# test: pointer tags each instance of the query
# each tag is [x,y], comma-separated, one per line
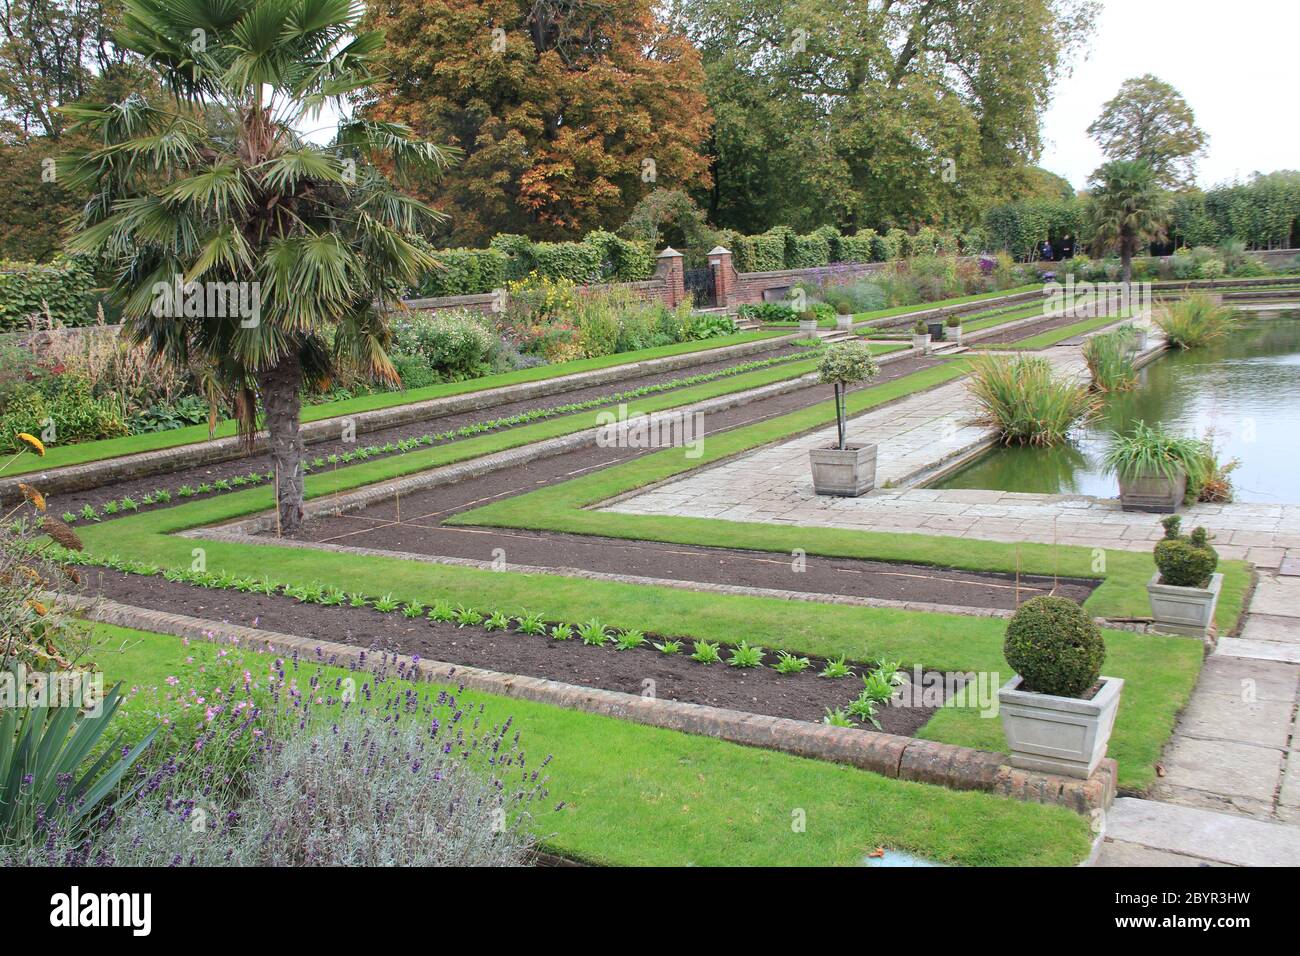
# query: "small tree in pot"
[921,336]
[1184,591]
[844,470]
[808,322]
[1058,711]
[954,323]
[844,316]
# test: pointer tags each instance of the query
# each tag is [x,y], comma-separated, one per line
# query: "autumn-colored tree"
[567,112]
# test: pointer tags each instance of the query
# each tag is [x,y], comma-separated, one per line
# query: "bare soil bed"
[801,696]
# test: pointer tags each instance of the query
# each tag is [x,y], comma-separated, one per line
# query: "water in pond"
[1244,392]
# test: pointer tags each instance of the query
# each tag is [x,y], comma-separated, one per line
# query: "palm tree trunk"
[1126,246]
[282,403]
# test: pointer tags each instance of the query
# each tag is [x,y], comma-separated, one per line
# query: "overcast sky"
[1235,61]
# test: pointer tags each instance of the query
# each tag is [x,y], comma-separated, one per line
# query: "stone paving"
[1230,793]
[773,485]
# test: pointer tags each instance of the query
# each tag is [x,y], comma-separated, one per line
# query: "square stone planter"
[955,332]
[1181,610]
[921,343]
[1154,494]
[846,474]
[809,327]
[1062,735]
[844,322]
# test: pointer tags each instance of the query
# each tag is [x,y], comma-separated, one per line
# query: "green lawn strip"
[1162,669]
[942,303]
[976,325]
[344,478]
[1052,336]
[61,456]
[638,795]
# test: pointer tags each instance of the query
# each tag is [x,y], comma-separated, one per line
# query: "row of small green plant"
[159,496]
[879,682]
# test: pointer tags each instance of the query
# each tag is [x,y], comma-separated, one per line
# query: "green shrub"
[622,260]
[1109,358]
[1055,647]
[765,253]
[575,261]
[454,345]
[768,312]
[1185,561]
[833,242]
[806,252]
[857,248]
[518,251]
[66,400]
[464,272]
[65,286]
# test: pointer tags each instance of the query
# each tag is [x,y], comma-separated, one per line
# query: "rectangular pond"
[1243,392]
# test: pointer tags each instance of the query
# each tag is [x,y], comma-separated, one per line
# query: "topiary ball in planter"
[1185,561]
[1055,646]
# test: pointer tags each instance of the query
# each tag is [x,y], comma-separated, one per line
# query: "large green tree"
[877,112]
[567,112]
[1128,209]
[216,187]
[1149,120]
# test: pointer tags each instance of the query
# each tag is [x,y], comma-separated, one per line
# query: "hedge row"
[65,287]
[599,257]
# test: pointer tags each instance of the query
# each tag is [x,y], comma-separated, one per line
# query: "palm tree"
[216,187]
[1129,209]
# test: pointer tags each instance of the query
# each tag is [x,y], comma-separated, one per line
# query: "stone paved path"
[773,485]
[1231,790]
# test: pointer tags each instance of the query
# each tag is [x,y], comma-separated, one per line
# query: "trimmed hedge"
[1055,646]
[66,286]
[465,272]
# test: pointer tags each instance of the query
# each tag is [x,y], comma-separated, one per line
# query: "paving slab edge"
[890,755]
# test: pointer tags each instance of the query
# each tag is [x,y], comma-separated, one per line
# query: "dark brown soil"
[137,488]
[1021,332]
[802,696]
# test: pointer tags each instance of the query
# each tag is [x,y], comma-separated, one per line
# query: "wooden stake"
[397,494]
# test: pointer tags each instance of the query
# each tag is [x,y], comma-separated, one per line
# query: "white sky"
[1235,62]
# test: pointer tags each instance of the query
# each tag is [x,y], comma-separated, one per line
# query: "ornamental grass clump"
[1195,321]
[843,365]
[1025,403]
[1185,561]
[1055,647]
[1150,451]
[1110,361]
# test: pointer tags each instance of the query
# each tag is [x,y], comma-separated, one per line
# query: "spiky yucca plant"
[216,186]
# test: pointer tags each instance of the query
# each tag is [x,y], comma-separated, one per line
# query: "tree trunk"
[1126,247]
[282,404]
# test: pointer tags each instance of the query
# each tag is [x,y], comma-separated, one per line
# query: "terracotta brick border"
[900,758]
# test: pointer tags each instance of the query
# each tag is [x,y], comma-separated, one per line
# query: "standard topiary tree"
[1185,561]
[1055,647]
[842,365]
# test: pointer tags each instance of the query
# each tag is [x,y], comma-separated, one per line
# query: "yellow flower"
[32,495]
[33,441]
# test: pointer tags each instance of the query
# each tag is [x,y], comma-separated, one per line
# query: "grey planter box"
[1154,494]
[921,343]
[1062,735]
[1180,610]
[809,327]
[847,473]
[844,322]
[955,330]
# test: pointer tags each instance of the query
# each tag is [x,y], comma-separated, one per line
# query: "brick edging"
[890,755]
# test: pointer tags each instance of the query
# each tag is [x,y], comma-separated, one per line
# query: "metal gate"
[700,287]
